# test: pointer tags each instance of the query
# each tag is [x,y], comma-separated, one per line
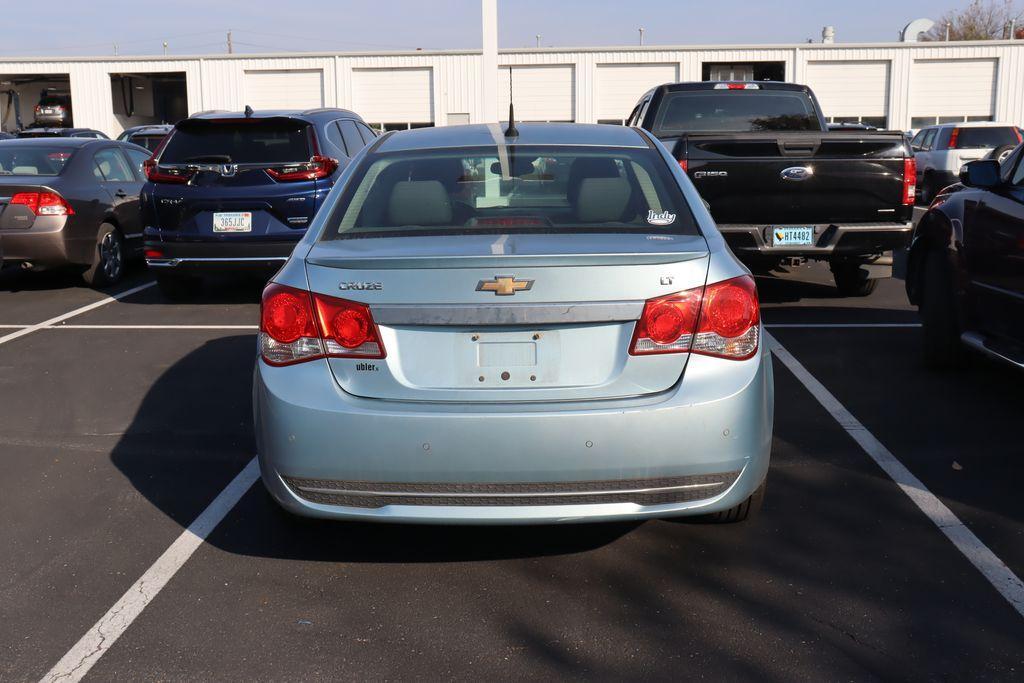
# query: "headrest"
[25,170]
[419,202]
[602,200]
[589,167]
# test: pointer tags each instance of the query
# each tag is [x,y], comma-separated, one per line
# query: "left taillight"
[722,319]
[43,203]
[160,174]
[317,167]
[297,326]
[909,181]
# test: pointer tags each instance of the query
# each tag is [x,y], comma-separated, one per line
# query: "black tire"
[1000,153]
[748,509]
[939,321]
[178,287]
[108,259]
[852,279]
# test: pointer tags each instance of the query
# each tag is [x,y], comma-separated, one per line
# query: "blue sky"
[77,27]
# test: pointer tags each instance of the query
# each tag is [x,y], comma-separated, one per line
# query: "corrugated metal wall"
[218,81]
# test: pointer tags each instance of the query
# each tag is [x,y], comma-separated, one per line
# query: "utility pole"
[641,36]
[231,47]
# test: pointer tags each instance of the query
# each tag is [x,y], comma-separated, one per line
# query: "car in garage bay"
[230,191]
[71,202]
[531,327]
[966,265]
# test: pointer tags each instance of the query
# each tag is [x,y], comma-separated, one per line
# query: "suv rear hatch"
[259,178]
[452,333]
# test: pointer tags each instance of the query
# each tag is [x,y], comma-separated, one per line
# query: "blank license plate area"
[494,359]
[235,221]
[796,236]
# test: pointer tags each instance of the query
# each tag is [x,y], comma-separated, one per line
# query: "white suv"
[941,150]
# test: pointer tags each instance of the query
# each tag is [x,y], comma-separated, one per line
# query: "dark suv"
[238,190]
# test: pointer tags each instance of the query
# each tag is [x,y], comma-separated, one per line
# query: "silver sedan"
[530,328]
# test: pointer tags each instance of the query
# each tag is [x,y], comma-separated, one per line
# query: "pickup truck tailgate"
[780,178]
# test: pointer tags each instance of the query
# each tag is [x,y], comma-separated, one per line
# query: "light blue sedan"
[533,328]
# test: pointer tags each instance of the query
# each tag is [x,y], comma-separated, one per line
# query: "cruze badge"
[361,286]
[797,173]
[504,285]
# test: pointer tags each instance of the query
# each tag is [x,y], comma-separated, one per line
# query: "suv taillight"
[722,319]
[909,181]
[954,136]
[317,167]
[158,174]
[297,326]
[43,203]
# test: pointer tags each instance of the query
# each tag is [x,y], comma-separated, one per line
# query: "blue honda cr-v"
[237,190]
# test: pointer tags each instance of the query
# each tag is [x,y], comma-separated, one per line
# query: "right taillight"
[722,319]
[909,181]
[297,326]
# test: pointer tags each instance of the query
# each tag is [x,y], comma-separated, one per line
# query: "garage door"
[619,86]
[285,89]
[393,95]
[953,87]
[542,93]
[849,90]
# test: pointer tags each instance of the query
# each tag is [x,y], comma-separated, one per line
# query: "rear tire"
[852,279]
[108,259]
[178,287]
[940,325]
[748,509]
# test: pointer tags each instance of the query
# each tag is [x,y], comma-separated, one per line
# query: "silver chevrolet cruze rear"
[531,329]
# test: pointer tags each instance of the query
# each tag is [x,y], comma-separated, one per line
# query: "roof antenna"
[511,131]
[248,111]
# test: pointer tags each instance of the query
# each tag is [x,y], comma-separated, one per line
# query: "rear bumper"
[216,256]
[46,244]
[861,239]
[701,447]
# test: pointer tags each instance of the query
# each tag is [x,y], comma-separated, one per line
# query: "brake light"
[685,165]
[162,174]
[317,167]
[737,86]
[909,181]
[297,326]
[722,320]
[953,137]
[43,203]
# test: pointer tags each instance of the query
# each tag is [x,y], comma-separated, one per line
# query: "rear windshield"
[33,160]
[986,137]
[149,141]
[739,111]
[53,101]
[238,142]
[519,190]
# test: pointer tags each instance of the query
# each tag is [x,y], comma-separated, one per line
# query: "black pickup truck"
[781,186]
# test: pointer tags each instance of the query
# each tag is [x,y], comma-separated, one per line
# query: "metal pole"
[538,40]
[489,63]
[231,47]
[949,25]
[165,47]
[641,36]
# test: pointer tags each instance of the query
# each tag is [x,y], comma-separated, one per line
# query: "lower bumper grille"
[365,494]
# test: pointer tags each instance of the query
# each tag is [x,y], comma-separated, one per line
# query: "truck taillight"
[722,319]
[909,181]
[43,203]
[317,167]
[297,326]
[684,164]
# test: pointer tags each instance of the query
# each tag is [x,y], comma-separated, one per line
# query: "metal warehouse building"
[895,85]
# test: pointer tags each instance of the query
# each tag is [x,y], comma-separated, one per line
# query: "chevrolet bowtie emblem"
[504,285]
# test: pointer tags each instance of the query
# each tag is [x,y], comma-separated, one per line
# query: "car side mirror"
[983,174]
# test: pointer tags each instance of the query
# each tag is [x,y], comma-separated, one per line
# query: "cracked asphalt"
[113,440]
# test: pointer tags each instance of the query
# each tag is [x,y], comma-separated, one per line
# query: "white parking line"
[74,665]
[995,570]
[70,314]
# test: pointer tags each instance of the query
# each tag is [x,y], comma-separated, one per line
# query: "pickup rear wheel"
[852,279]
[742,512]
[939,322]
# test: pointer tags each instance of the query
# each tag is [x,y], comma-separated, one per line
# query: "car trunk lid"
[527,317]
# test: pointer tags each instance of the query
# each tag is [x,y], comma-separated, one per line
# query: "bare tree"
[980,20]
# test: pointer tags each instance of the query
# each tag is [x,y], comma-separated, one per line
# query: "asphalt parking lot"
[120,424]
